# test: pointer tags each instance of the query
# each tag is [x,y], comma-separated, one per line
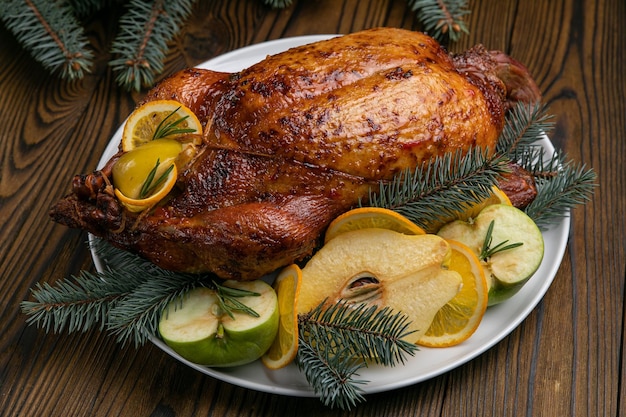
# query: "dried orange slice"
[469,211]
[460,317]
[371,217]
[285,347]
[158,119]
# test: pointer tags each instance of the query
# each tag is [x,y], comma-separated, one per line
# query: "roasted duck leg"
[297,139]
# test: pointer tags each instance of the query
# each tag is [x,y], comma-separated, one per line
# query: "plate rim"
[558,232]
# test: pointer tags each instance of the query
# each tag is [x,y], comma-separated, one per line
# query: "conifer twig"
[141,44]
[442,187]
[51,33]
[338,340]
[442,18]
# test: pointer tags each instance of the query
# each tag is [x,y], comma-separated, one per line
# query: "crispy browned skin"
[292,142]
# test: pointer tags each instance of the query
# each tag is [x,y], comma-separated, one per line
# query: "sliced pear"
[203,333]
[383,268]
[506,270]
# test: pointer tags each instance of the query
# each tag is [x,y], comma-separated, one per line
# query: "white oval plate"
[427,363]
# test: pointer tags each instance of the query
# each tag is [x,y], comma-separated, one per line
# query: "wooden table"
[565,359]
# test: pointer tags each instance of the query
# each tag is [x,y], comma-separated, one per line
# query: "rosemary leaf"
[167,127]
[488,250]
[150,186]
[227,299]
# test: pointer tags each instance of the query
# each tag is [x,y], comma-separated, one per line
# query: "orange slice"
[143,123]
[136,205]
[471,210]
[285,347]
[460,317]
[371,217]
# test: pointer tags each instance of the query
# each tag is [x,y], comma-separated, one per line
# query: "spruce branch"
[442,18]
[573,184]
[338,340]
[434,191]
[136,316]
[51,33]
[127,298]
[335,385]
[525,124]
[141,44]
[79,303]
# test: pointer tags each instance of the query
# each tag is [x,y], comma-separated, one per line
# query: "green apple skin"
[506,271]
[192,331]
[500,292]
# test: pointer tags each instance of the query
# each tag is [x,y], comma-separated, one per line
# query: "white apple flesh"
[204,334]
[507,270]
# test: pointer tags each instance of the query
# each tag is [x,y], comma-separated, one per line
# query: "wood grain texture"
[565,359]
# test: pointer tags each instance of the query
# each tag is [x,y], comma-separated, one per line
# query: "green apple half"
[507,270]
[203,333]
[383,268]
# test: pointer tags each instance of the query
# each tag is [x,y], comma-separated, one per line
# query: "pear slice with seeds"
[383,268]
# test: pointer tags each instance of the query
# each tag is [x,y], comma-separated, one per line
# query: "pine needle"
[525,125]
[556,195]
[436,190]
[338,340]
[51,33]
[141,44]
[442,18]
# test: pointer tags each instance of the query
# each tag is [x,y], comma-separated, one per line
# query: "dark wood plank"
[566,358]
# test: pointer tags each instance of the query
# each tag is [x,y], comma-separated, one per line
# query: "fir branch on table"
[141,45]
[51,33]
[78,303]
[336,341]
[442,18]
[126,298]
[436,190]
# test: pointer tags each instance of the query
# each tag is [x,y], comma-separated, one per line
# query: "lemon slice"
[136,205]
[460,317]
[371,217]
[158,119]
[285,346]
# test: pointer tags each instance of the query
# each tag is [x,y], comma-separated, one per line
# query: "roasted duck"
[297,139]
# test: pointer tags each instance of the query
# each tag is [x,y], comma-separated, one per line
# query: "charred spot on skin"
[373,125]
[398,74]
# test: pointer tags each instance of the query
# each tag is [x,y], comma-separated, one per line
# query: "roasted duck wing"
[297,139]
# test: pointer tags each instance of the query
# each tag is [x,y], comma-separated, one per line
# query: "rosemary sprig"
[488,251]
[149,185]
[169,127]
[227,299]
